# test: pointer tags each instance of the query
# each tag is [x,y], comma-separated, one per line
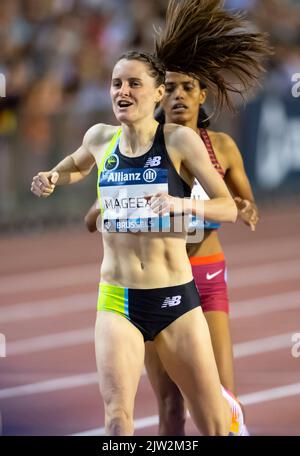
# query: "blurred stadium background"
[56,60]
[57,56]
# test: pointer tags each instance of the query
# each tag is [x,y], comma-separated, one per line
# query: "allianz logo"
[149,175]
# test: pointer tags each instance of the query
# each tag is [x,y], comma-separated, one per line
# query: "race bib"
[124,205]
[198,193]
[196,223]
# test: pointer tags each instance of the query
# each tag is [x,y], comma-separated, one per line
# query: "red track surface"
[48,289]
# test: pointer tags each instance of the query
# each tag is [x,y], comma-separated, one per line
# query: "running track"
[48,290]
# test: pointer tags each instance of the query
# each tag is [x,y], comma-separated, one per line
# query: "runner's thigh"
[120,357]
[186,351]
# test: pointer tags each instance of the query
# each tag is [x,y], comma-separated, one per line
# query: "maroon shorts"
[211,280]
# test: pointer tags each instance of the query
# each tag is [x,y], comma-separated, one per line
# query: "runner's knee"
[118,421]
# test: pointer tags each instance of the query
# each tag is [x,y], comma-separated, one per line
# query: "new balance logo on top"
[154,161]
[170,302]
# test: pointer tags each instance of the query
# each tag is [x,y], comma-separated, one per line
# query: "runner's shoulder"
[175,134]
[99,134]
[222,140]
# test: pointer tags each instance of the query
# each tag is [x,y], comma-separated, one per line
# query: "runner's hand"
[162,204]
[248,212]
[43,184]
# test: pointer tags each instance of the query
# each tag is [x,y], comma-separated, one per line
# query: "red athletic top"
[206,139]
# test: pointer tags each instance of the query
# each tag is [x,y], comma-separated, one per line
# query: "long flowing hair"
[214,45]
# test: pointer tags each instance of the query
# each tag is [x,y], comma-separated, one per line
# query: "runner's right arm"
[74,167]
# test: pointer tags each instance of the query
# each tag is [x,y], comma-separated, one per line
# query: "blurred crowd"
[57,57]
[281,19]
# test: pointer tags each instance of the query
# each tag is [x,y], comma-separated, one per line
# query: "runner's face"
[133,92]
[183,98]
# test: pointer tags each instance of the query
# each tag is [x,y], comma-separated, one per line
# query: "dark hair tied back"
[155,67]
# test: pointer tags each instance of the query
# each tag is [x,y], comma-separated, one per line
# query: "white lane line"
[140,423]
[257,252]
[265,273]
[279,392]
[86,336]
[264,305]
[48,307]
[47,386]
[50,342]
[89,274]
[86,301]
[264,345]
[246,399]
[241,309]
[240,351]
[50,278]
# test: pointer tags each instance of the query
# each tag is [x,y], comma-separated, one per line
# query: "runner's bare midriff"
[210,245]
[145,260]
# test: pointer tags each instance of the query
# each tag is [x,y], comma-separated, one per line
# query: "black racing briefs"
[150,310]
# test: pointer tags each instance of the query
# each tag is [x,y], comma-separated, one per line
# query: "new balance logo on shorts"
[170,302]
[154,161]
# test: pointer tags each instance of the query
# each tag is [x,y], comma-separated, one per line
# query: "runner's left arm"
[92,216]
[184,143]
[238,183]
